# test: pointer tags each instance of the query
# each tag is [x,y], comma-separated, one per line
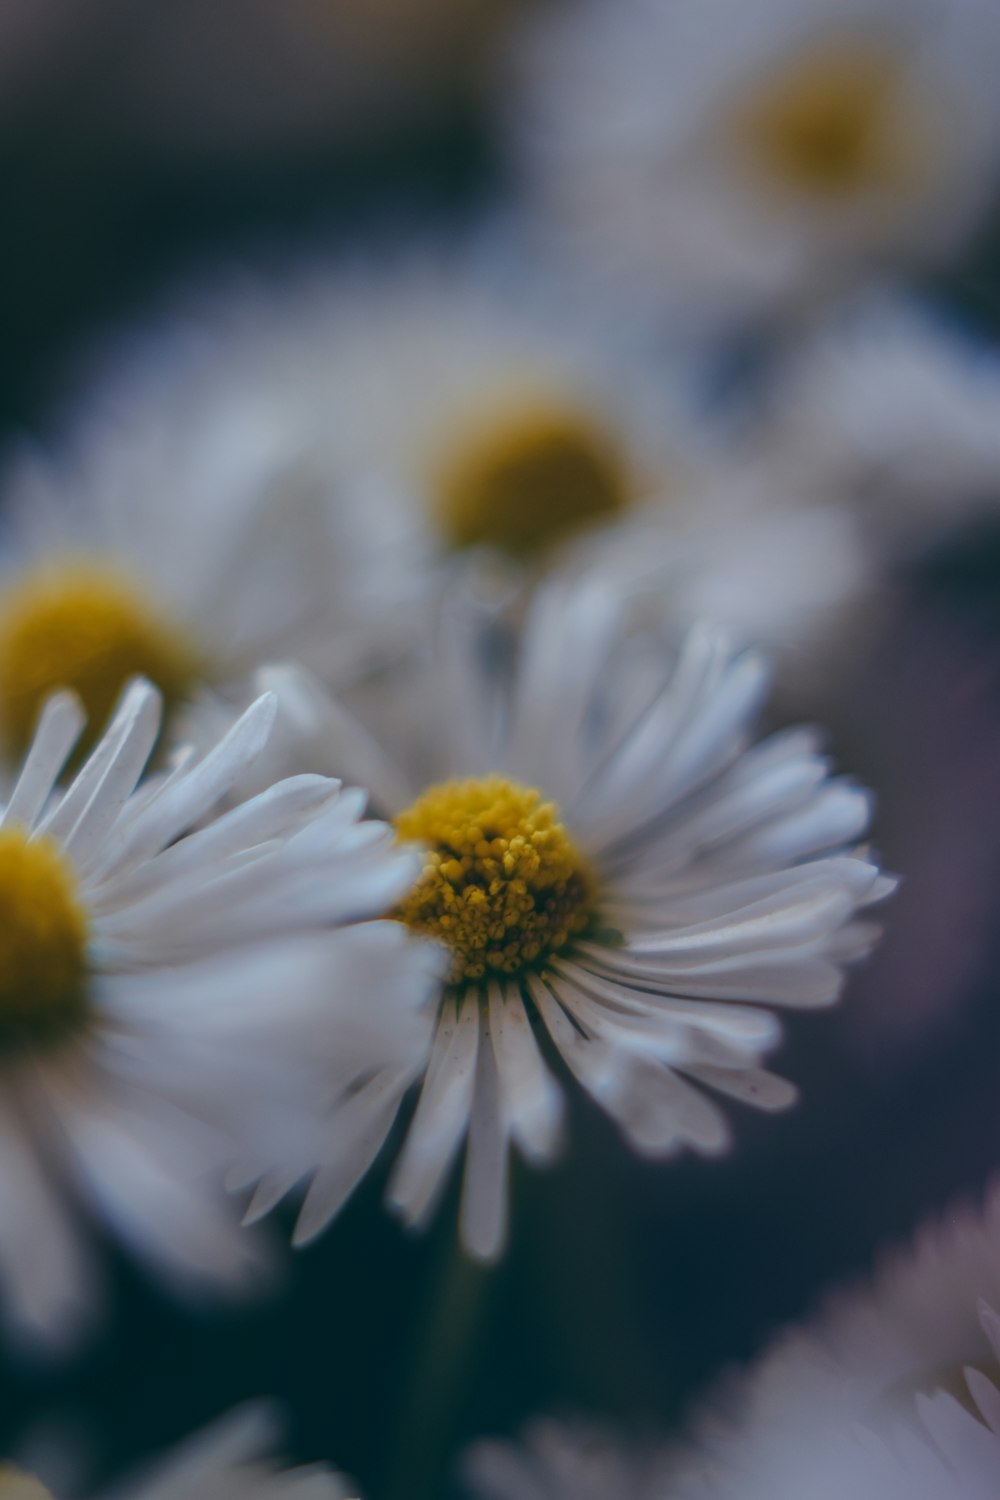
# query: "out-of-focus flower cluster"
[401,663]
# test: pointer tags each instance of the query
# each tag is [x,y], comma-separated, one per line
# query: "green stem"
[447,1329]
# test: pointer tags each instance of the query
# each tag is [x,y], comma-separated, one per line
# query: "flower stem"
[447,1331]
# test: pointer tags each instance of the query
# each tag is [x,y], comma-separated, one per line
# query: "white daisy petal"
[128,741]
[483,1210]
[442,1114]
[363,1123]
[231,1460]
[180,804]
[532,1099]
[59,727]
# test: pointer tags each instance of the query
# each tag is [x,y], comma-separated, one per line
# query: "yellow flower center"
[16,1485]
[825,124]
[82,625]
[503,886]
[527,476]
[43,943]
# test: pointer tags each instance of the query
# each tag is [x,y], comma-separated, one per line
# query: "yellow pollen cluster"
[824,124]
[43,943]
[504,886]
[16,1485]
[525,477]
[83,626]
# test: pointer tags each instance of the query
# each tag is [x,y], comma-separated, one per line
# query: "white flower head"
[230,1460]
[499,409]
[880,1395]
[179,532]
[172,980]
[452,397]
[607,865]
[292,470]
[896,412]
[460,400]
[739,154]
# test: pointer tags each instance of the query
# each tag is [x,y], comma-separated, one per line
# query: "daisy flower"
[231,1460]
[608,867]
[934,1446]
[868,1387]
[463,401]
[882,1396]
[171,979]
[897,412]
[176,533]
[743,154]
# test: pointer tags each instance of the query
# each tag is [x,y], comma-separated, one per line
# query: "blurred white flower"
[881,1397]
[464,401]
[230,1460]
[606,864]
[505,414]
[179,535]
[557,1462]
[737,155]
[173,985]
[897,413]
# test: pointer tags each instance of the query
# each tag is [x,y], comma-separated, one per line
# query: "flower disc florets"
[504,887]
[526,477]
[823,124]
[43,942]
[84,626]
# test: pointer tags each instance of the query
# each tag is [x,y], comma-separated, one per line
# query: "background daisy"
[734,157]
[889,1356]
[230,1460]
[893,408]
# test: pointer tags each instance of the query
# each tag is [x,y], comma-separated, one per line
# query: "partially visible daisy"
[458,388]
[231,1460]
[174,985]
[883,1396]
[895,411]
[608,868]
[868,1388]
[553,1461]
[938,1446]
[177,532]
[462,401]
[740,154]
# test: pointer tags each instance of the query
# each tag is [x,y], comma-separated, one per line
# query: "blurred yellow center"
[525,477]
[825,123]
[82,626]
[43,943]
[16,1485]
[504,887]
